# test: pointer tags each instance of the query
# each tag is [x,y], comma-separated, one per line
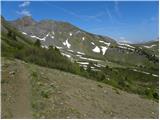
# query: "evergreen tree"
[12,35]
[37,43]
[50,47]
[9,34]
[57,50]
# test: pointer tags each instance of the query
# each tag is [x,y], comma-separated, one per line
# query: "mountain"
[81,46]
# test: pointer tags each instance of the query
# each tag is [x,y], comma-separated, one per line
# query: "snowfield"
[104,49]
[96,49]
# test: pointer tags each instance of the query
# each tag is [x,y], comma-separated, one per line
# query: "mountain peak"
[26,21]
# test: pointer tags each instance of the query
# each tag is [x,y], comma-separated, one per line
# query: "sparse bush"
[155,95]
[45,93]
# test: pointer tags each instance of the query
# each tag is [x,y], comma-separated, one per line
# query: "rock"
[52,84]
[84,115]
[92,89]
[105,91]
[68,117]
[153,113]
[42,117]
[61,103]
[12,73]
[100,86]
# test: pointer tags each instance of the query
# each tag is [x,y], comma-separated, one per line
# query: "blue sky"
[124,20]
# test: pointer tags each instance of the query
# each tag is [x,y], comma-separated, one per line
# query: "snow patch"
[150,46]
[99,65]
[52,37]
[90,59]
[66,43]
[92,43]
[44,46]
[70,50]
[42,39]
[83,63]
[66,55]
[70,34]
[154,75]
[124,44]
[104,49]
[47,35]
[58,47]
[24,33]
[83,38]
[53,33]
[145,72]
[108,44]
[123,47]
[96,49]
[81,53]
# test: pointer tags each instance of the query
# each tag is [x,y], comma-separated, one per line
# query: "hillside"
[140,78]
[50,93]
[81,45]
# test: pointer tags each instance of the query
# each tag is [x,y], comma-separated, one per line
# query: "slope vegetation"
[30,91]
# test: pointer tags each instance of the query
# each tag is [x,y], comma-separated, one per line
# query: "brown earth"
[30,91]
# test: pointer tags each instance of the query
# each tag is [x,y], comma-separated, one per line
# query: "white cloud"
[24,13]
[85,18]
[109,15]
[24,4]
[116,8]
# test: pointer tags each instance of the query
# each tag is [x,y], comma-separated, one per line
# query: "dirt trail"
[18,91]
[22,107]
